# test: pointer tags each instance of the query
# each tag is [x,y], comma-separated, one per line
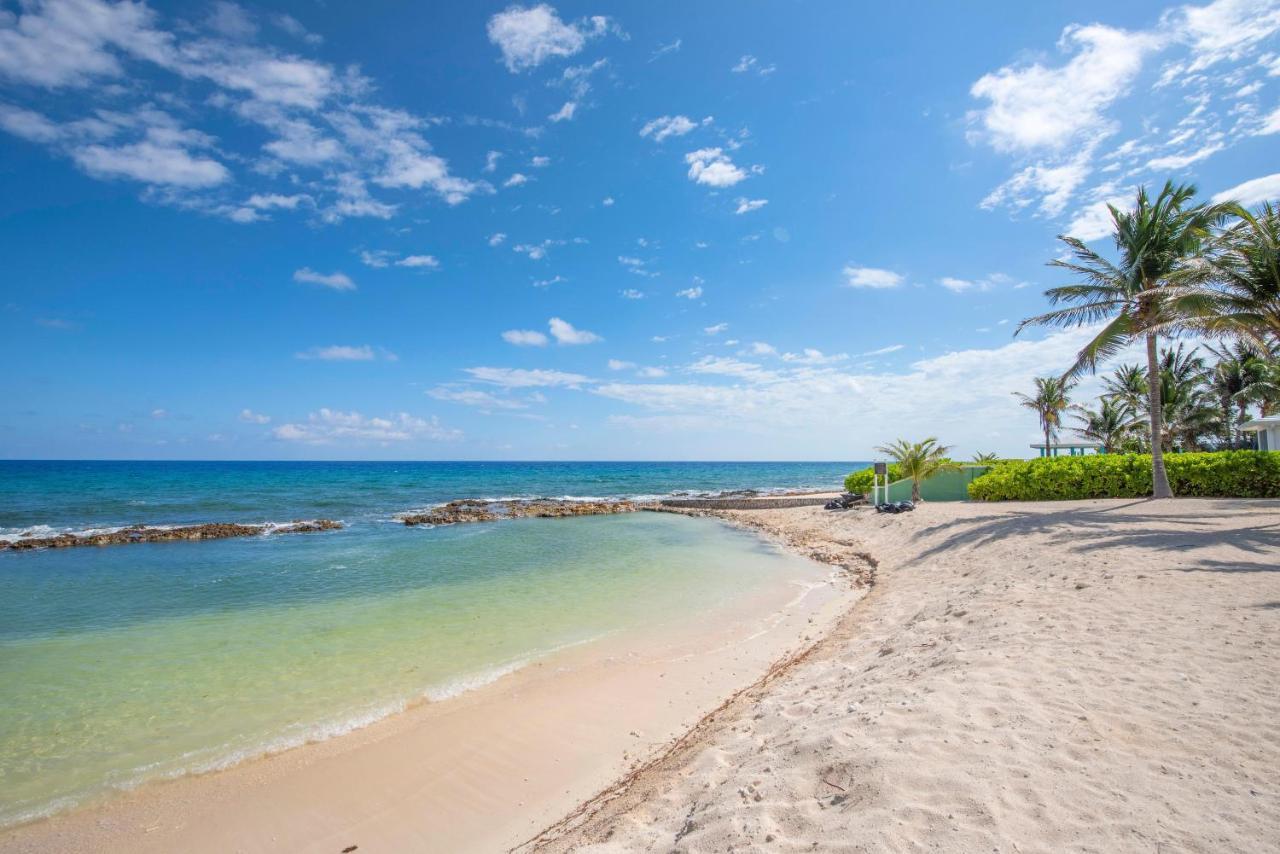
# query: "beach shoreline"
[520,751]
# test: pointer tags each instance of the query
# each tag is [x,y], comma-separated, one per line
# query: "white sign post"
[881,470]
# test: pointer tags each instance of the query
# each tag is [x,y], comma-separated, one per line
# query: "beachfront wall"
[943,486]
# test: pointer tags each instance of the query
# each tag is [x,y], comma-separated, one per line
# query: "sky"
[714,230]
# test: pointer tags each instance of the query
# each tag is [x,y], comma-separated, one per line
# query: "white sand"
[1084,676]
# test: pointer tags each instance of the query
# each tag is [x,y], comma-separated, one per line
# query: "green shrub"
[859,482]
[1223,474]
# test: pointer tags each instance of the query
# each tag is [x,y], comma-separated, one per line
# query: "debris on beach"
[162,534]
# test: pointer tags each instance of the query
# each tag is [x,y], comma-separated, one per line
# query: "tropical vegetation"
[919,461]
[1183,270]
[1239,474]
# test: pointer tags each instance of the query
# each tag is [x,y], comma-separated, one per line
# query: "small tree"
[919,460]
[986,459]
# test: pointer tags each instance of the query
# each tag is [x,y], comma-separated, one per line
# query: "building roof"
[1262,423]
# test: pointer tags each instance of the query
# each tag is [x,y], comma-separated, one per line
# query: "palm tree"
[1185,395]
[986,459]
[1110,425]
[1049,402]
[919,460]
[1147,293]
[1236,380]
[1128,384]
[1247,272]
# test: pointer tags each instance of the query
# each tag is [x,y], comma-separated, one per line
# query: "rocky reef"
[475,510]
[152,534]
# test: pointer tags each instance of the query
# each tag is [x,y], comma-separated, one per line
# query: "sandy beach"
[1077,676]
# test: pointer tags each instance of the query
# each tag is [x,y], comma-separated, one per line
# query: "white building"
[1267,430]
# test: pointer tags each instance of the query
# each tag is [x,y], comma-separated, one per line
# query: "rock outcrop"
[473,510]
[151,534]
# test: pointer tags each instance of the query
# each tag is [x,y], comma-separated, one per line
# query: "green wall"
[943,486]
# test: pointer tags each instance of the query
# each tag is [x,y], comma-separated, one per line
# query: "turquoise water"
[127,663]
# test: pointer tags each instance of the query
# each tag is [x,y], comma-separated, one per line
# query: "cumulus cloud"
[335,281]
[714,168]
[565,113]
[565,333]
[250,417]
[715,329]
[429,262]
[871,277]
[751,63]
[690,293]
[749,205]
[329,425]
[529,36]
[620,365]
[496,238]
[525,338]
[516,180]
[631,293]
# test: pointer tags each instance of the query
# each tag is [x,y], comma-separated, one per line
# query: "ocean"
[128,663]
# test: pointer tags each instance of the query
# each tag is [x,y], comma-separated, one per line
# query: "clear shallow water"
[126,663]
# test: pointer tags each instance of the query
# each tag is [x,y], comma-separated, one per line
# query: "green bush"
[1223,474]
[859,482]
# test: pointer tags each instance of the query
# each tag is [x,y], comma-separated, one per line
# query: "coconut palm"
[1148,292]
[1247,275]
[1049,402]
[1236,381]
[986,459]
[919,460]
[1110,425]
[1128,384]
[1188,407]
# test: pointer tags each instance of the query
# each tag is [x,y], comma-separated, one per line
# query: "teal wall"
[943,486]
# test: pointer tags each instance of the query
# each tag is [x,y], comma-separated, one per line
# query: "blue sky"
[581,231]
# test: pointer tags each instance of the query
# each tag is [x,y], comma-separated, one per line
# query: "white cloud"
[711,166]
[565,333]
[690,293]
[871,277]
[428,261]
[962,396]
[530,36]
[810,356]
[664,49]
[1033,106]
[619,365]
[1223,30]
[491,161]
[339,353]
[328,425]
[516,180]
[883,351]
[496,238]
[525,338]
[986,283]
[748,205]
[629,261]
[1175,162]
[667,126]
[1270,125]
[334,281]
[716,329]
[522,378]
[750,63]
[540,162]
[565,113]
[250,417]
[760,348]
[475,397]
[632,293]
[1252,192]
[376,258]
[607,201]
[1053,183]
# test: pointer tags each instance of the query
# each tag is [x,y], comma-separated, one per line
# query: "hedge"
[1222,474]
[859,482]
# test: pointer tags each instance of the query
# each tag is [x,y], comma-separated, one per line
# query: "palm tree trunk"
[915,491]
[1159,479]
[1047,439]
